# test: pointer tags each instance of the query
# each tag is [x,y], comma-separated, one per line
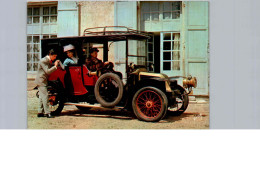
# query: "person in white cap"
[72,59]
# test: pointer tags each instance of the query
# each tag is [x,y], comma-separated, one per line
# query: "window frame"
[171,51]
[160,11]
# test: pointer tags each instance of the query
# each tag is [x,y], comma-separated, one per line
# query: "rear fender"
[57,84]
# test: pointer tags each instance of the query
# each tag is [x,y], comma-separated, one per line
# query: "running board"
[92,105]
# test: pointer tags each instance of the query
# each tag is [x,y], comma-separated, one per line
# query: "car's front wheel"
[150,104]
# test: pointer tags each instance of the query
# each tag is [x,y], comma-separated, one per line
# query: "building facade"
[179,47]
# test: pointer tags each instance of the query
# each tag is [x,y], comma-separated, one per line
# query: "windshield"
[137,52]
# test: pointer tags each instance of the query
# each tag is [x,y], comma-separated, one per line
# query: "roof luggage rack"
[114,31]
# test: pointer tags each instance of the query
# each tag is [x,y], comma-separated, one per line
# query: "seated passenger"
[72,58]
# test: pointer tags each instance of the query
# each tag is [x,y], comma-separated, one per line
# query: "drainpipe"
[183,33]
[79,17]
[138,19]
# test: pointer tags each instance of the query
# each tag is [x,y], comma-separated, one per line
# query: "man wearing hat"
[45,68]
[70,51]
[93,63]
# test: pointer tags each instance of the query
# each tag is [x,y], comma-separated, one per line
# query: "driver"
[93,63]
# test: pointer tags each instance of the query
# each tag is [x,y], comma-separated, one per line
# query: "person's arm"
[46,69]
[66,62]
[92,73]
[61,65]
[100,64]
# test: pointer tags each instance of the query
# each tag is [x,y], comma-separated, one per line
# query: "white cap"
[68,47]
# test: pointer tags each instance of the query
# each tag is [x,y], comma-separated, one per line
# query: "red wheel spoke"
[146,96]
[141,99]
[142,107]
[149,112]
[157,106]
[141,104]
[157,109]
[149,96]
[152,96]
[144,111]
[157,101]
[152,113]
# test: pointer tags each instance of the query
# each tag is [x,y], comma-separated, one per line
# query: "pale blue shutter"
[68,18]
[196,44]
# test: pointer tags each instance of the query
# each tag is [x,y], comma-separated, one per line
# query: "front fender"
[155,82]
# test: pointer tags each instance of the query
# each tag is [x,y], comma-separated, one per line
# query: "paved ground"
[195,117]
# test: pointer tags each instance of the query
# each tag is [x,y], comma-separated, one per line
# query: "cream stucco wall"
[97,14]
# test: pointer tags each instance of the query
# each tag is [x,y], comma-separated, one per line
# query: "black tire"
[56,100]
[150,104]
[182,102]
[109,90]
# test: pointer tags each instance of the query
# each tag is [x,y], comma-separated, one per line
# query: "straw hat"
[68,47]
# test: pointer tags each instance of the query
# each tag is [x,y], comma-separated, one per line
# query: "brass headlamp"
[190,82]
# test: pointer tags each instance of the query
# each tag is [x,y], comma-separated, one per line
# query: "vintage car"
[149,95]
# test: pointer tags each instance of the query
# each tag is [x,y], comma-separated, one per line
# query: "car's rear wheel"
[56,100]
[182,102]
[109,90]
[150,104]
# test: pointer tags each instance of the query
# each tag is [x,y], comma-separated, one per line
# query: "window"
[33,50]
[39,20]
[171,10]
[171,51]
[155,11]
[33,15]
[50,14]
